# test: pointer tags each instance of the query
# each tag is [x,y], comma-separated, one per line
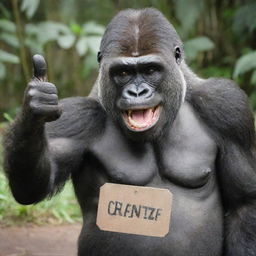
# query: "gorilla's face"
[141,84]
[138,100]
[143,94]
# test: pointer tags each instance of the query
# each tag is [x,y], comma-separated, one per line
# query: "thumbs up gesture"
[41,99]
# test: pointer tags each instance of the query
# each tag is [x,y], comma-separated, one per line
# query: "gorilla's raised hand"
[41,99]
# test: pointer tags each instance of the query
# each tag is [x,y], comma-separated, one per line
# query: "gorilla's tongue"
[141,117]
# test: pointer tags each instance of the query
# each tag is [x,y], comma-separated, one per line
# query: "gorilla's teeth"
[135,124]
[149,115]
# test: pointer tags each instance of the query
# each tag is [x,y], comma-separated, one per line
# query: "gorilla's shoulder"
[80,116]
[224,107]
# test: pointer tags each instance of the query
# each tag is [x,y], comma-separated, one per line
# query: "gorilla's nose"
[135,91]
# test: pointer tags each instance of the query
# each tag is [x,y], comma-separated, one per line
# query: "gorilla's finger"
[40,67]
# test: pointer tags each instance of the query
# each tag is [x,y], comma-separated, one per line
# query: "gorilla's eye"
[122,76]
[149,70]
[177,54]
[123,73]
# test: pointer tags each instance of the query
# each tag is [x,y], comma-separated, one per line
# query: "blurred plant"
[7,36]
[244,64]
[188,13]
[86,37]
[196,45]
[244,19]
[29,7]
[8,117]
[245,23]
[23,34]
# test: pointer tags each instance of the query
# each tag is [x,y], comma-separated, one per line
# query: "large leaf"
[47,31]
[2,71]
[193,46]
[31,29]
[94,43]
[66,41]
[187,12]
[91,28]
[29,7]
[8,57]
[245,63]
[82,46]
[253,78]
[7,26]
[9,39]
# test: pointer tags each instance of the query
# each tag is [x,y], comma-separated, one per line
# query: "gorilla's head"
[140,82]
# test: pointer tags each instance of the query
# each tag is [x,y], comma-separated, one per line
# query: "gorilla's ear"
[177,54]
[99,57]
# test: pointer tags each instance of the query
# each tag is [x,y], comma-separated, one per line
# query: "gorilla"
[148,121]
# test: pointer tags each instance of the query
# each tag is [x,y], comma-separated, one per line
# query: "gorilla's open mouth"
[141,119]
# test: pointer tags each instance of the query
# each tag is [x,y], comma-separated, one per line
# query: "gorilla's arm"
[237,174]
[26,161]
[40,157]
[225,109]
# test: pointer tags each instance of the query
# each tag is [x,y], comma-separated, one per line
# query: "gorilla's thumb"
[40,67]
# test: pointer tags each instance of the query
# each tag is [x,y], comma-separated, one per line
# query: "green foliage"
[8,57]
[9,37]
[2,71]
[5,11]
[92,28]
[8,117]
[244,64]
[29,7]
[66,41]
[38,35]
[7,25]
[195,45]
[85,37]
[90,64]
[90,38]
[244,20]
[253,78]
[188,12]
[208,71]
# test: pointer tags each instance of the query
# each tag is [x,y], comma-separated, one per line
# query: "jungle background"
[219,40]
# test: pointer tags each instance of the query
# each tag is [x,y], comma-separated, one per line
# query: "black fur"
[225,109]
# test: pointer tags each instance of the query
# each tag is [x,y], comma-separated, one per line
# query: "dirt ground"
[39,241]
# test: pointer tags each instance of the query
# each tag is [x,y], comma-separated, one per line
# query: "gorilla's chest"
[123,161]
[185,157]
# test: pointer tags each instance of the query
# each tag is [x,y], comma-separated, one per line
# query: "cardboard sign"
[134,210]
